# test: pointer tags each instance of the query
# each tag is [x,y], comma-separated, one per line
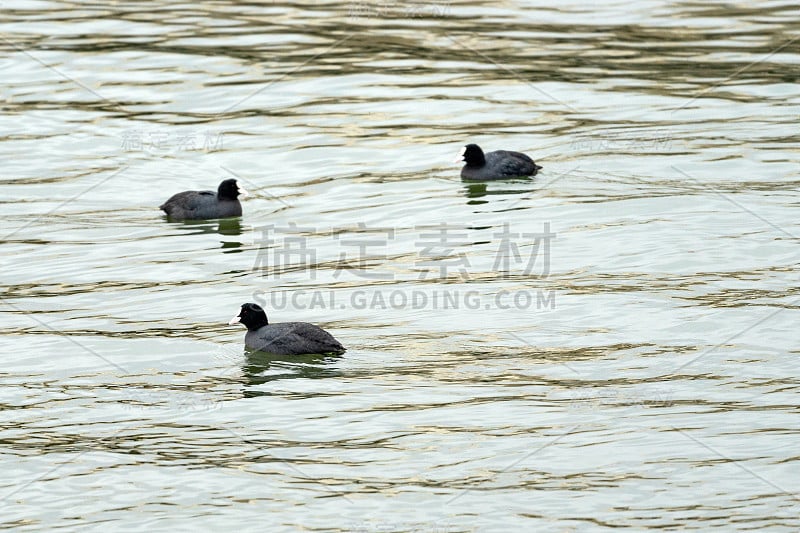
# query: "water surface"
[641,374]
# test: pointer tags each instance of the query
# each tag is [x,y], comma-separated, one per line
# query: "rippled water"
[609,345]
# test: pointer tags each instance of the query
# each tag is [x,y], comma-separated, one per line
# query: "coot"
[201,205]
[285,338]
[497,165]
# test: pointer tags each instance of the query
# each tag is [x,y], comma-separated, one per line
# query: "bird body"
[497,165]
[284,338]
[292,338]
[202,205]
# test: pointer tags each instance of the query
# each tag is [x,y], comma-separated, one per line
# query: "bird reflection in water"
[261,367]
[474,191]
[229,227]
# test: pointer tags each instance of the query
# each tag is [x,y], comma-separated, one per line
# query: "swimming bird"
[201,205]
[497,165]
[284,338]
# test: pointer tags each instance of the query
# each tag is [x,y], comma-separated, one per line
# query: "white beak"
[461,155]
[243,193]
[235,320]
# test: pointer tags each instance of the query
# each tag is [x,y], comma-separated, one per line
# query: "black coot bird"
[201,205]
[497,165]
[285,338]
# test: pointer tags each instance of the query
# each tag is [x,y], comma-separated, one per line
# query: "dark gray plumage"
[497,165]
[201,205]
[285,338]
